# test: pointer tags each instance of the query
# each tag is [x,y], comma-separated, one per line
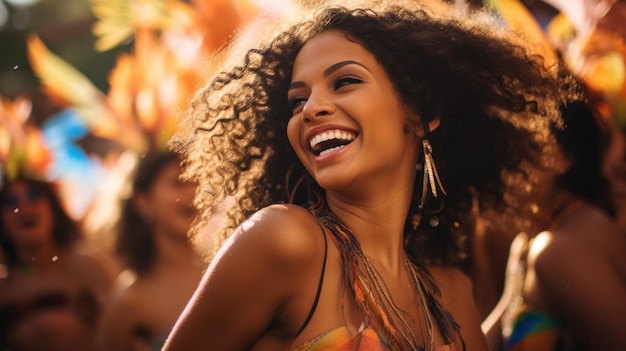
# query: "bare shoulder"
[95,269]
[283,232]
[577,274]
[277,249]
[126,297]
[588,234]
[590,222]
[86,258]
[255,286]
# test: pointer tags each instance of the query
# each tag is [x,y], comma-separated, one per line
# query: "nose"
[317,105]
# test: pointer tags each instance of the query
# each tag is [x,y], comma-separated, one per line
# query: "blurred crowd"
[97,247]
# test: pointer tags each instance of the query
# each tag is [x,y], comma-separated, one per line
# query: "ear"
[432,125]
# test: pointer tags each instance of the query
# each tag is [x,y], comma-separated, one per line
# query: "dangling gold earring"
[431,176]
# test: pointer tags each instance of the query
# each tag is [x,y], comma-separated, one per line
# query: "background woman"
[565,286]
[152,243]
[52,295]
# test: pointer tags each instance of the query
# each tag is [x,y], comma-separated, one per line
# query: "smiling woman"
[326,96]
[354,144]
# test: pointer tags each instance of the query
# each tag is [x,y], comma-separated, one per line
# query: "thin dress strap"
[319,286]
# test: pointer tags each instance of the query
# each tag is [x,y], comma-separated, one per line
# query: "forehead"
[328,48]
[16,185]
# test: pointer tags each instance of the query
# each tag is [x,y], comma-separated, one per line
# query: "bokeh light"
[21,2]
[4,15]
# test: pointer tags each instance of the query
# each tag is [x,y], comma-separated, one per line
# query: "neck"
[176,253]
[379,232]
[38,257]
[551,206]
[376,214]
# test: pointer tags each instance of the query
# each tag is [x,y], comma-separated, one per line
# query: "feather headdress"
[173,43]
[22,146]
[591,38]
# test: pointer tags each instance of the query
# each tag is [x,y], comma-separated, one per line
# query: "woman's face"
[168,202]
[27,214]
[348,124]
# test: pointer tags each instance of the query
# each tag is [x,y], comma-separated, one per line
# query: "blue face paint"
[14,200]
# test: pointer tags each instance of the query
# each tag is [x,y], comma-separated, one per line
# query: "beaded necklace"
[374,301]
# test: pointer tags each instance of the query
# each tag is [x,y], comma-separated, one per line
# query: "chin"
[332,183]
[31,237]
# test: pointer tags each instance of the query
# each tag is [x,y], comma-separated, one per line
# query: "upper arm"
[491,325]
[248,283]
[583,287]
[458,299]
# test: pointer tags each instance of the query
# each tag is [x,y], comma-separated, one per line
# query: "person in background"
[591,34]
[566,282]
[152,243]
[354,144]
[52,294]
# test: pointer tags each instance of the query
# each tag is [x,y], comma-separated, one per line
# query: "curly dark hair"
[65,231]
[495,102]
[135,242]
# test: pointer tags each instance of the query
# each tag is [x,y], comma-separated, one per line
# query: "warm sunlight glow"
[22,2]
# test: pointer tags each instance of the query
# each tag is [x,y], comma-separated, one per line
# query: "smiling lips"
[330,140]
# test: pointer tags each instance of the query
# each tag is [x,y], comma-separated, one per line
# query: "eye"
[346,80]
[296,103]
[33,195]
[10,201]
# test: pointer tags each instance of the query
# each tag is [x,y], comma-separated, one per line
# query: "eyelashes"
[346,80]
[296,102]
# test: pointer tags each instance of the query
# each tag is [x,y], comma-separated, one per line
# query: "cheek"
[46,211]
[8,219]
[293,134]
[167,199]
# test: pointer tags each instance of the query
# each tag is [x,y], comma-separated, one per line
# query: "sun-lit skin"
[368,173]
[330,115]
[328,94]
[369,180]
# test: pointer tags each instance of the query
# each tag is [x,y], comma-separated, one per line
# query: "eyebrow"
[328,71]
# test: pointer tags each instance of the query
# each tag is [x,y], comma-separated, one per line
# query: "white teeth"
[331,149]
[331,134]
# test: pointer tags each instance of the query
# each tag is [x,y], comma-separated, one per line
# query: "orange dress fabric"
[340,339]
